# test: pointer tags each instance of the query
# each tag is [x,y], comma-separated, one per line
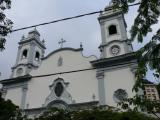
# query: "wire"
[64,19]
[59,20]
[59,73]
[80,70]
[87,69]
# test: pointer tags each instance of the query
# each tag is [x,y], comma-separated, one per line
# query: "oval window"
[59,89]
[120,95]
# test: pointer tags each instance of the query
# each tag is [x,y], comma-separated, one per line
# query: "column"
[101,87]
[24,95]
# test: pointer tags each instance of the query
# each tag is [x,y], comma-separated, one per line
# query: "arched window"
[59,89]
[24,54]
[120,95]
[37,56]
[112,30]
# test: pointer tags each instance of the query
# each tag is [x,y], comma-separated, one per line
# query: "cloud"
[29,12]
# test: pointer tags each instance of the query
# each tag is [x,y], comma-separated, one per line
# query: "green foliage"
[158,89]
[5,23]
[92,114]
[148,14]
[55,114]
[9,111]
[149,55]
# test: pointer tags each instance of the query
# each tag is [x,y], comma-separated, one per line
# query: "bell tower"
[30,51]
[113,32]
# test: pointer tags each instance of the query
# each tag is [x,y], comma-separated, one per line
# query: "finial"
[43,41]
[23,37]
[61,42]
[35,28]
[81,46]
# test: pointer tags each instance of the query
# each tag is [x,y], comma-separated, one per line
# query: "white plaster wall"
[15,95]
[119,78]
[82,85]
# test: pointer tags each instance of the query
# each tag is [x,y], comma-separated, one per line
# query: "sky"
[86,29]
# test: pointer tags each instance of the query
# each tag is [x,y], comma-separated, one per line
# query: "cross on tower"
[61,42]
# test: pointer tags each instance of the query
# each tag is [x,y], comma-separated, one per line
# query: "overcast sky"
[86,29]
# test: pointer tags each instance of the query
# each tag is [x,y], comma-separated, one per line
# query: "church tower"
[30,51]
[113,32]
[118,63]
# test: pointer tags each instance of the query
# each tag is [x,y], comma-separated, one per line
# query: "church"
[67,79]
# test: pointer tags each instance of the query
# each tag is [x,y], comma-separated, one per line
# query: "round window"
[120,95]
[59,89]
[115,50]
[19,71]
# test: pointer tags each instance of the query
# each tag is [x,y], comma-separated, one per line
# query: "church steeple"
[113,32]
[30,51]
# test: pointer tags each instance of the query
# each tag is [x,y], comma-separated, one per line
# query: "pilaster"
[24,95]
[101,87]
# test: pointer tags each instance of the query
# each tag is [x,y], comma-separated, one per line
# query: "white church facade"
[65,78]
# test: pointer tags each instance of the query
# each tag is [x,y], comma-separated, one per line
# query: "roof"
[146,82]
[62,49]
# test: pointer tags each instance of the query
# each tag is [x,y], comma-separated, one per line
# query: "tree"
[5,23]
[9,111]
[91,114]
[149,55]
[158,89]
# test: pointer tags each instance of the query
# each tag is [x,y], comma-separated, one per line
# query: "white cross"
[61,42]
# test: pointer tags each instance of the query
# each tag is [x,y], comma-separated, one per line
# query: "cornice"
[115,61]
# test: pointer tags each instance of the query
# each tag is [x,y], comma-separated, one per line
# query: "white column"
[101,87]
[24,95]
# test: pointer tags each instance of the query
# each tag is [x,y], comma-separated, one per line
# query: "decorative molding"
[16,85]
[100,74]
[27,64]
[65,96]
[129,58]
[33,39]
[111,15]
[15,81]
[113,41]
[58,103]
